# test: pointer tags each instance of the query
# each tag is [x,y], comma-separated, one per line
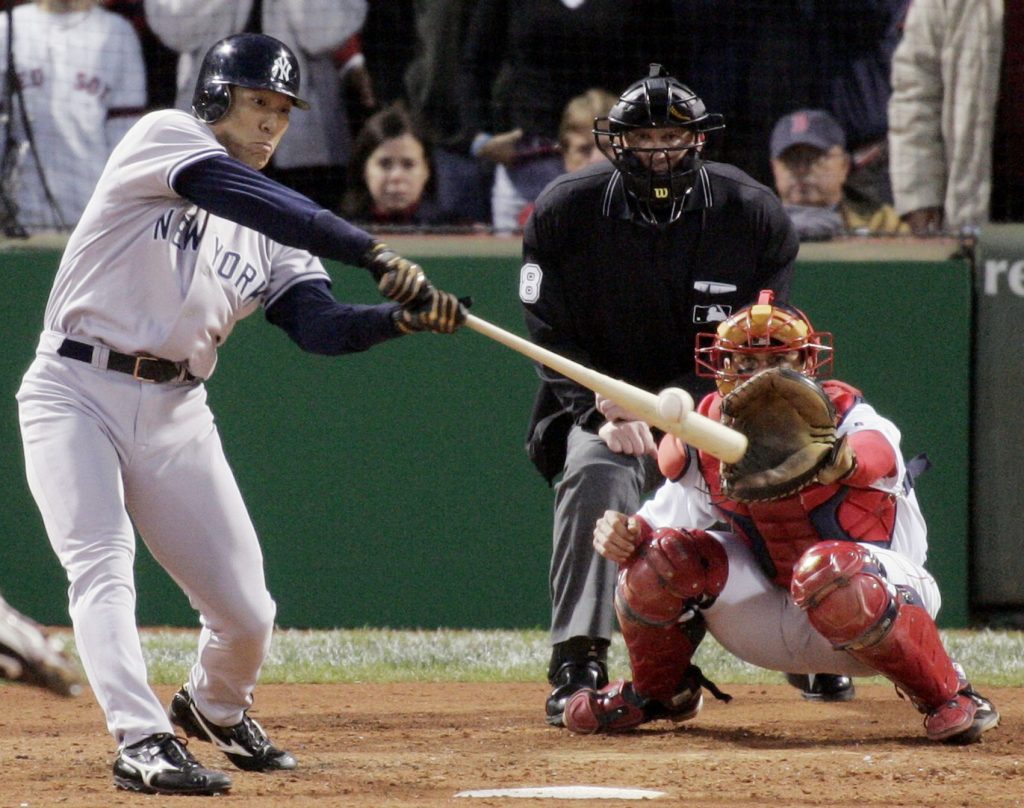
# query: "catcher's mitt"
[790,424]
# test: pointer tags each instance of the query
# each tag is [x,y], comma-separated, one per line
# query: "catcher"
[821,568]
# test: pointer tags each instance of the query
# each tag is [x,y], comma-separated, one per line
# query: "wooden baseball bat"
[693,428]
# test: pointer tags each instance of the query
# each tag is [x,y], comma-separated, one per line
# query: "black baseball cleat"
[160,764]
[570,678]
[823,686]
[245,743]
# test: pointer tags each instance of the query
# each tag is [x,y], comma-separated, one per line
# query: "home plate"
[567,793]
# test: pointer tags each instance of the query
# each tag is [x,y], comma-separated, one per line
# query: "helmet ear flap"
[212,102]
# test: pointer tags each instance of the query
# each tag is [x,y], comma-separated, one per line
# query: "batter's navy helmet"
[245,60]
[657,101]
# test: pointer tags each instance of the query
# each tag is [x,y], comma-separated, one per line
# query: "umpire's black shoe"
[160,764]
[823,686]
[570,678]
[245,744]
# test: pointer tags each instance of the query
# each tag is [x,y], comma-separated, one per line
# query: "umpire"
[623,264]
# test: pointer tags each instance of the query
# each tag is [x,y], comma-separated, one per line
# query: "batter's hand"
[628,437]
[443,313]
[616,535]
[397,278]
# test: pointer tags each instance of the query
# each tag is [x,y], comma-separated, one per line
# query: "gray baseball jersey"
[167,278]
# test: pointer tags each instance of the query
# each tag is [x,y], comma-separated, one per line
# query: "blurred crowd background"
[865,116]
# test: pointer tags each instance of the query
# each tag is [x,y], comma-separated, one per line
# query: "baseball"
[674,404]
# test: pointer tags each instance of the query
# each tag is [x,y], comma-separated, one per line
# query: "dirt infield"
[417,745]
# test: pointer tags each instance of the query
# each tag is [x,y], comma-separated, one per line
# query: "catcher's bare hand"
[617,535]
[442,313]
[398,278]
[628,437]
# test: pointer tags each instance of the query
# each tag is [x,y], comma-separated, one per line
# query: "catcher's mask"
[657,176]
[257,61]
[765,334]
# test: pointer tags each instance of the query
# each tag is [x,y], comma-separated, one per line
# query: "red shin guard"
[847,599]
[671,575]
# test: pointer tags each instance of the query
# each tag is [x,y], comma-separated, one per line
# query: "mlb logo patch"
[711,314]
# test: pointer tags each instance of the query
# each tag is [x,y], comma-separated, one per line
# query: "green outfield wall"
[391,488]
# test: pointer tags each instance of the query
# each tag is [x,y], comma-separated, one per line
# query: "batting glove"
[442,314]
[397,278]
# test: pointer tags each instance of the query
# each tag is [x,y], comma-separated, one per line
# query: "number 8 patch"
[530,277]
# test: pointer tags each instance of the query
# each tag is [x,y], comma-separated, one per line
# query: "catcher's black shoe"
[245,743]
[160,764]
[823,686]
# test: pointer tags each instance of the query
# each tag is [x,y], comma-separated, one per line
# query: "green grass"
[994,658]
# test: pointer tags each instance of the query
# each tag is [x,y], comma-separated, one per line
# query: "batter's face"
[254,125]
[396,173]
[806,175]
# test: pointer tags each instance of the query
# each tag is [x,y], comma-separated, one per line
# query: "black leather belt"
[143,368]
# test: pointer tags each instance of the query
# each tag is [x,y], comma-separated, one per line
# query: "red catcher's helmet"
[762,328]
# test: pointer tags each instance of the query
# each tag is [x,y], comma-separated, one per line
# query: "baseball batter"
[827,577]
[182,238]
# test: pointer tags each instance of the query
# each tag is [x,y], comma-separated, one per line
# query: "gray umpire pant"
[582,582]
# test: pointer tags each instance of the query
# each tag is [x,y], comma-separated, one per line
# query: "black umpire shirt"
[628,298]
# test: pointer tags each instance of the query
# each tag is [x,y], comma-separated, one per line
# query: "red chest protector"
[781,530]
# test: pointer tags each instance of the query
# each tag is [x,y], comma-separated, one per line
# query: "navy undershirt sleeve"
[232,190]
[320,324]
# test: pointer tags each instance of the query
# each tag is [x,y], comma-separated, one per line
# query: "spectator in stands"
[576,130]
[312,159]
[576,141]
[1008,140]
[463,183]
[359,95]
[161,61]
[862,36]
[81,84]
[757,62]
[390,178]
[388,56]
[810,164]
[942,115]
[523,62]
